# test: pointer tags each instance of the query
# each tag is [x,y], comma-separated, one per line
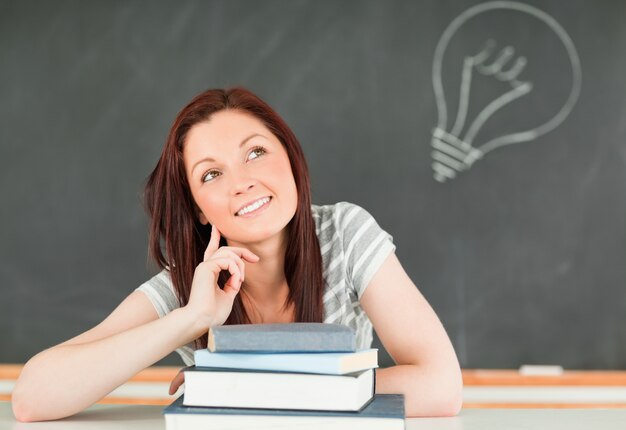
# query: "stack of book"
[266,375]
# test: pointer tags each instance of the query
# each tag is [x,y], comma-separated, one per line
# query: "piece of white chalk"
[540,370]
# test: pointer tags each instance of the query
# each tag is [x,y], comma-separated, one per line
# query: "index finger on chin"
[214,243]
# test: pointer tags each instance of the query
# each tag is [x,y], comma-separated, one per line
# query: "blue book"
[384,412]
[282,337]
[329,363]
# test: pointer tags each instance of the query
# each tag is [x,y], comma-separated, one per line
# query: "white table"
[139,417]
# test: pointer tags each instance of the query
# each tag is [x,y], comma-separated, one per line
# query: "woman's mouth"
[255,208]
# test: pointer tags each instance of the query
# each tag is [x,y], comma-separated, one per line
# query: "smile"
[254,208]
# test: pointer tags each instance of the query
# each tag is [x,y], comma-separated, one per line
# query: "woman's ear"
[202,218]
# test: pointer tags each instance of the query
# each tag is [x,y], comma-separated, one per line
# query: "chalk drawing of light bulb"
[484,45]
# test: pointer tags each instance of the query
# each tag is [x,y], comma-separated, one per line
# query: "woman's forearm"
[66,379]
[427,391]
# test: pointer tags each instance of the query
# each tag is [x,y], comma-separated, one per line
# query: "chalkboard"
[487,137]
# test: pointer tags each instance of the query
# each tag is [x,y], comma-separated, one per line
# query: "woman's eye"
[212,174]
[258,151]
[208,176]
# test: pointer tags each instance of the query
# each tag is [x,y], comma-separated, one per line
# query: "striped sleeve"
[365,245]
[160,291]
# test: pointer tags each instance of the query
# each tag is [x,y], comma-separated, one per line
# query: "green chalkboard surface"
[489,138]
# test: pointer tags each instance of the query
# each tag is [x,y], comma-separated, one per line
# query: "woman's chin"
[257,235]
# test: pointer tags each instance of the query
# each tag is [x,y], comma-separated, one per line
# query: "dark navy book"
[385,411]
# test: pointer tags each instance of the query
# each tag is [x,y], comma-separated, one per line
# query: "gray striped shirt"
[353,248]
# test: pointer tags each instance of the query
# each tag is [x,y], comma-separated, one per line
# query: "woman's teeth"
[254,206]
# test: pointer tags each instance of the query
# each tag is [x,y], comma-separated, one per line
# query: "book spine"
[374,384]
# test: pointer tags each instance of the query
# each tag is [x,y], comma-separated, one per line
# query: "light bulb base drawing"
[451,155]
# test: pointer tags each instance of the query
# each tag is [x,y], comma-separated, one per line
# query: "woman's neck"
[265,282]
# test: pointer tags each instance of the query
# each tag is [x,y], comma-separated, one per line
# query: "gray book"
[277,338]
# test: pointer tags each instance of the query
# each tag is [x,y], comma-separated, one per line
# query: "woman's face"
[232,161]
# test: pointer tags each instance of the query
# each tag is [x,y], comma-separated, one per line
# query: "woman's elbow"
[22,410]
[26,405]
[445,398]
[451,406]
[452,396]
[26,409]
[454,401]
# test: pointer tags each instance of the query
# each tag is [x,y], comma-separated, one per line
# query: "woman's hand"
[207,301]
[177,381]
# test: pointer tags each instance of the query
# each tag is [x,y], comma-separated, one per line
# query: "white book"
[231,388]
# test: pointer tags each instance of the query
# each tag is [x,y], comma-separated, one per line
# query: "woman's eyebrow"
[243,142]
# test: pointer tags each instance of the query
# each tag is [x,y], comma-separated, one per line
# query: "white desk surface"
[139,417]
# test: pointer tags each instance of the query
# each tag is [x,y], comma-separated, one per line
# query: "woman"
[238,241]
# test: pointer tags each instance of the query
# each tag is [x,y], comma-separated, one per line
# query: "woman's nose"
[242,182]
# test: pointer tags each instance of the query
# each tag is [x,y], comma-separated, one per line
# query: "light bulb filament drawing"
[454,149]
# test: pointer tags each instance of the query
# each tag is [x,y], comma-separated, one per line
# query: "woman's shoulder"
[337,211]
[341,216]
[339,206]
[162,279]
[350,235]
[160,290]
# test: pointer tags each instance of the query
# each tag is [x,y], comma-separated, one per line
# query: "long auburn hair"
[174,224]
